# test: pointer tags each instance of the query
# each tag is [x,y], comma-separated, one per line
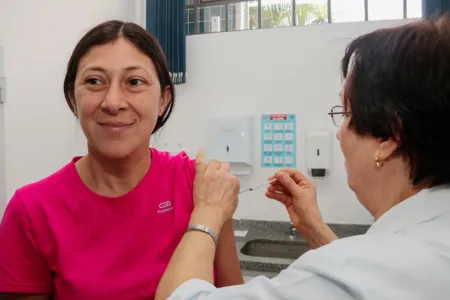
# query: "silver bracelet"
[204,229]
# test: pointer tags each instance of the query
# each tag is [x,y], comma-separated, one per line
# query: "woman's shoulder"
[174,165]
[181,157]
[175,175]
[41,189]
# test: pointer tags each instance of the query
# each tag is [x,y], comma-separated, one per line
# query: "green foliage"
[280,15]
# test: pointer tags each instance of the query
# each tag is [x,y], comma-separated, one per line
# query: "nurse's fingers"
[296,175]
[200,165]
[284,199]
[288,183]
[224,166]
[213,165]
[277,188]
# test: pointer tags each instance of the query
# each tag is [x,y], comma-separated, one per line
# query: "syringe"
[257,186]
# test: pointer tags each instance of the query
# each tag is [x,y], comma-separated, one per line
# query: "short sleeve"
[23,268]
[190,171]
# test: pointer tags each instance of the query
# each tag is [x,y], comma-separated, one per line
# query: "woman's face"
[360,153]
[118,98]
[364,177]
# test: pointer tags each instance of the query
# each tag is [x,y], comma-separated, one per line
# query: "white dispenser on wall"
[231,139]
[318,152]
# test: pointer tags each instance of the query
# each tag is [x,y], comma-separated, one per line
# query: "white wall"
[293,70]
[38,37]
[3,198]
[286,70]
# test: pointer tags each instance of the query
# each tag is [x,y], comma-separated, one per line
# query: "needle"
[257,186]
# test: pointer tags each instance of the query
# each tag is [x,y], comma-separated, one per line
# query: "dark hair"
[399,87]
[108,32]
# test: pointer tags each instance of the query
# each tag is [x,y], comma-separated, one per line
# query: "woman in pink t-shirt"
[106,225]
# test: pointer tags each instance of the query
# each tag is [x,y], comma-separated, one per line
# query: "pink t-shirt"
[57,236]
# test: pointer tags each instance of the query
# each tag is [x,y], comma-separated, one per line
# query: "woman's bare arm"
[226,262]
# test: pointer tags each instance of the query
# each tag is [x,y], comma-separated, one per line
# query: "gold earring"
[379,162]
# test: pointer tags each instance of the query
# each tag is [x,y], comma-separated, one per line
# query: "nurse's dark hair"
[398,87]
[109,32]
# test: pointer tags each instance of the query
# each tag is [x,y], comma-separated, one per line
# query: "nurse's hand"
[299,196]
[215,193]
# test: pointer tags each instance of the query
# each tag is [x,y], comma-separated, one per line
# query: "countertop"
[278,231]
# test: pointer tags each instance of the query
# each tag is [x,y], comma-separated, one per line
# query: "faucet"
[292,229]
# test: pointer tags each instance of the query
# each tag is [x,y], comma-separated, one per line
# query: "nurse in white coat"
[394,124]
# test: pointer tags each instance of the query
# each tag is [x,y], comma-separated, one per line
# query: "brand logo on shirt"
[164,207]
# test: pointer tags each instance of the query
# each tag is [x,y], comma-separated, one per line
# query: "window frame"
[207,3]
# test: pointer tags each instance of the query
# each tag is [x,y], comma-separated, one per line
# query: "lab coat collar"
[423,206]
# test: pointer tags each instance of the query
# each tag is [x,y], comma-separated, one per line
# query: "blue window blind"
[435,7]
[166,22]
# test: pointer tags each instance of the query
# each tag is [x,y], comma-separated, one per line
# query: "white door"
[3,199]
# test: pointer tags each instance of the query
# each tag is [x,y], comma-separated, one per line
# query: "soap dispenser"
[318,152]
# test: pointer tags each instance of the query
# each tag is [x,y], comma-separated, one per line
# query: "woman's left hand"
[215,190]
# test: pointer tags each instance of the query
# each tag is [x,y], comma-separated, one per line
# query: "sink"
[275,249]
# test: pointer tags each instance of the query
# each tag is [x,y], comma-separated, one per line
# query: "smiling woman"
[106,224]
[118,97]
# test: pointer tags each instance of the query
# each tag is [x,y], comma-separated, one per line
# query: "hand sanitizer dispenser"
[230,139]
[318,152]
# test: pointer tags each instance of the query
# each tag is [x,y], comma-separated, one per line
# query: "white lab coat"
[404,255]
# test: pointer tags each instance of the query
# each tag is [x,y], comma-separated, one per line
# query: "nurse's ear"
[388,149]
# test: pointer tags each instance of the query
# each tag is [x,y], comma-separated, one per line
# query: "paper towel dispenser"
[231,139]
